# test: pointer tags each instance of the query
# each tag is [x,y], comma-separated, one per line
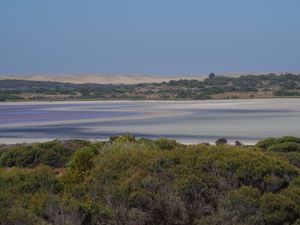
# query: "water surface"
[186,121]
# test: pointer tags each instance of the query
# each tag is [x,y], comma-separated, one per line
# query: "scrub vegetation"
[213,87]
[150,182]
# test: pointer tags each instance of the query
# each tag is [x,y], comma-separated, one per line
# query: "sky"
[165,37]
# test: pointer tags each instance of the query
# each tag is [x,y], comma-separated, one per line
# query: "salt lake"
[185,121]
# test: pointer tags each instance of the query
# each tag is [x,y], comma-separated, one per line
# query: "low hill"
[212,87]
[101,78]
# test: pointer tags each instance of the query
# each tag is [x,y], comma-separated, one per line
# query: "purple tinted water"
[56,112]
[197,121]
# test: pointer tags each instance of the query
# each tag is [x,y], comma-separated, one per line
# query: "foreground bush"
[186,185]
[285,147]
[53,153]
[145,182]
[268,142]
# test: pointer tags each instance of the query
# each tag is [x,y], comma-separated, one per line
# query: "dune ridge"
[102,78]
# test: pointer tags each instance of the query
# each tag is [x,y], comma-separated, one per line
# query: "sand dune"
[102,78]
[118,78]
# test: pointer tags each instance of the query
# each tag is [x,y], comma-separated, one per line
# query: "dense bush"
[168,144]
[292,157]
[268,142]
[240,206]
[182,185]
[122,138]
[54,153]
[285,147]
[278,209]
[161,182]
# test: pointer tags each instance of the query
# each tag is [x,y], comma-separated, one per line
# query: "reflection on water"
[190,121]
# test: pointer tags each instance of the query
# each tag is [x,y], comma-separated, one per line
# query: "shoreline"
[43,140]
[142,101]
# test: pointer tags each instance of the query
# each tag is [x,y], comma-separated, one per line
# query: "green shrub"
[268,142]
[152,182]
[122,138]
[166,144]
[278,209]
[285,147]
[241,206]
[81,163]
[53,153]
[31,181]
[292,157]
[195,178]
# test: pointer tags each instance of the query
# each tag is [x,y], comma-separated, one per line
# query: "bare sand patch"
[102,78]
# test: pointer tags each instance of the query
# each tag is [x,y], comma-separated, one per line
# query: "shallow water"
[186,121]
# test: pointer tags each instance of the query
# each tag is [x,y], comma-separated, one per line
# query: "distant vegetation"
[213,87]
[150,182]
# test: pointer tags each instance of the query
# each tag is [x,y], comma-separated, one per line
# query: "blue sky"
[149,36]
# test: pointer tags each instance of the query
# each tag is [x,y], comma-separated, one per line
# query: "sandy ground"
[102,78]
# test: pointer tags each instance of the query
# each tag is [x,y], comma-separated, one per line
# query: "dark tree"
[211,75]
[221,141]
[238,143]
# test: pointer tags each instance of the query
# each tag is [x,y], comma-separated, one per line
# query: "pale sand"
[102,78]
